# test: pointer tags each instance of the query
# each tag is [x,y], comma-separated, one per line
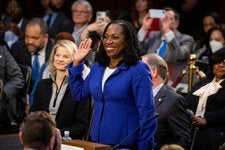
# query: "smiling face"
[62,57]
[219,70]
[114,42]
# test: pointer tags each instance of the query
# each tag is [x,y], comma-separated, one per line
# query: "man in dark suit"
[35,43]
[55,18]
[173,121]
[12,82]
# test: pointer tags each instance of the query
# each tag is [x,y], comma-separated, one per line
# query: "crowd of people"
[107,80]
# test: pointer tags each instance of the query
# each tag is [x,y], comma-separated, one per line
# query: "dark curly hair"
[220,27]
[131,55]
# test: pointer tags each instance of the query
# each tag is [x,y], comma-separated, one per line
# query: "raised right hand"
[82,51]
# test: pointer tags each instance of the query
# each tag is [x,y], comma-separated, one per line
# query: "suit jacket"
[71,116]
[173,121]
[213,134]
[178,49]
[12,77]
[10,73]
[60,24]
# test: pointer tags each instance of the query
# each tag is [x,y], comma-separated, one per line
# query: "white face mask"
[215,45]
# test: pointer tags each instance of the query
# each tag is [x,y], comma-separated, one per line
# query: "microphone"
[138,127]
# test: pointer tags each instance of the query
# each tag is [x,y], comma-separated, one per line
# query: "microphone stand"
[193,139]
[138,127]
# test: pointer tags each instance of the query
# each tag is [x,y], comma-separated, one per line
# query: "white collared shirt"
[41,57]
[156,89]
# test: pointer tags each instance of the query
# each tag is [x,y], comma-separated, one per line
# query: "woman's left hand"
[199,121]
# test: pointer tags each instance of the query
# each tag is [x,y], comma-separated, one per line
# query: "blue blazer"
[125,103]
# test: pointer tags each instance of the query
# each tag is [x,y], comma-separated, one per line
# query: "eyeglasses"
[112,38]
[223,62]
[80,12]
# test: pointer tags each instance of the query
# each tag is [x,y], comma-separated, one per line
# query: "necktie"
[162,49]
[35,67]
[49,20]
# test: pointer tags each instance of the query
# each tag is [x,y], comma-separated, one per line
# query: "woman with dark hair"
[139,10]
[215,40]
[207,102]
[121,87]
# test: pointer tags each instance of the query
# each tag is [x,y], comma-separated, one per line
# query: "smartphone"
[157,13]
[100,17]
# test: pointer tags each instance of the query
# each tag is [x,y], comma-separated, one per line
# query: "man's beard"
[40,47]
[55,9]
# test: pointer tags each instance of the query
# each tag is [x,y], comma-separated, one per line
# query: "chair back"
[27,71]
[22,97]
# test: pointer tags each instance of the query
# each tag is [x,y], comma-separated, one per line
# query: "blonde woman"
[53,94]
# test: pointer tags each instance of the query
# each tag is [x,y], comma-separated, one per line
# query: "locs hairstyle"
[131,55]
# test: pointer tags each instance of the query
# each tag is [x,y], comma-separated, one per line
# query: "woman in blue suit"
[121,87]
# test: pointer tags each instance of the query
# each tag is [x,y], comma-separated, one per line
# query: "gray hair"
[84,3]
[155,60]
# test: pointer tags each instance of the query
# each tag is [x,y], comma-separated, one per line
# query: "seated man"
[13,82]
[38,131]
[173,121]
[34,50]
